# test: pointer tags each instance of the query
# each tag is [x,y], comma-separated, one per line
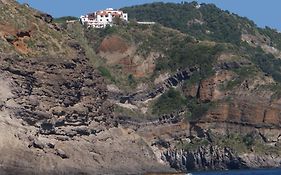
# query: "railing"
[146,23]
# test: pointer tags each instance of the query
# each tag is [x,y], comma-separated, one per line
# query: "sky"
[262,12]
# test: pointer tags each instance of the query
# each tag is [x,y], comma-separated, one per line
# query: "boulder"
[45,17]
[62,154]
[38,144]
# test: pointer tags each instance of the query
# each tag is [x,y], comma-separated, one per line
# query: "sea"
[241,172]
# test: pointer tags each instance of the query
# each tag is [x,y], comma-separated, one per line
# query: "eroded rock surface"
[55,119]
[57,96]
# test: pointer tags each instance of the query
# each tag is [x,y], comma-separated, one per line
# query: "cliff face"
[117,51]
[205,158]
[62,114]
[248,112]
[55,118]
[55,94]
[216,158]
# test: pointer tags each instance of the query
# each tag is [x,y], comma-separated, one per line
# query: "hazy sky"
[263,12]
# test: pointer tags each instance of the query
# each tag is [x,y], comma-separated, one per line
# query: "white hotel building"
[102,18]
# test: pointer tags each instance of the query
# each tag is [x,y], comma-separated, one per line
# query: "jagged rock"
[22,34]
[51,95]
[69,65]
[69,133]
[45,17]
[161,143]
[38,144]
[172,81]
[82,130]
[62,154]
[230,65]
[204,158]
[51,145]
[47,128]
[62,138]
[58,110]
[33,101]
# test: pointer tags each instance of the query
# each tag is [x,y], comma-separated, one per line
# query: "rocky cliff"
[55,117]
[133,99]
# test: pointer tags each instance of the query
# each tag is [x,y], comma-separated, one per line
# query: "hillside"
[205,22]
[199,90]
[31,33]
[212,71]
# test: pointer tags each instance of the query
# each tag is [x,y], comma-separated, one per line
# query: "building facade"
[103,18]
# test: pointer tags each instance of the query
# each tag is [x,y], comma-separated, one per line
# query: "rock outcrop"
[118,51]
[55,119]
[205,158]
[61,97]
[149,94]
[216,158]
[57,114]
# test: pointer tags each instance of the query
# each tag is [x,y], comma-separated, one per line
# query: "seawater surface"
[242,172]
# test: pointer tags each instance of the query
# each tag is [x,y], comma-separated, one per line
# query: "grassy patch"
[194,145]
[121,111]
[274,87]
[261,148]
[239,143]
[242,74]
[173,101]
[106,73]
[235,142]
[247,143]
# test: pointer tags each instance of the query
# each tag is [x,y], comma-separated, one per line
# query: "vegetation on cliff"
[186,35]
[199,77]
[204,22]
[30,33]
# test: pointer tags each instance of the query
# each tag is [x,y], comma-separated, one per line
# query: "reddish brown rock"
[210,88]
[113,44]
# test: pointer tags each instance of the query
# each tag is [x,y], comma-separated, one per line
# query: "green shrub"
[131,79]
[248,140]
[197,109]
[194,145]
[186,53]
[268,64]
[233,141]
[108,31]
[243,73]
[106,73]
[169,102]
[64,19]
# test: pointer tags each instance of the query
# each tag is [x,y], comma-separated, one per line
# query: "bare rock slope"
[55,120]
